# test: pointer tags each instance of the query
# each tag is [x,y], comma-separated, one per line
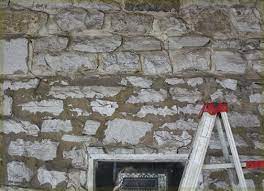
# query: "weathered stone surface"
[141,43]
[148,95]
[228,84]
[94,19]
[120,151]
[99,5]
[172,26]
[51,177]
[216,144]
[77,179]
[190,59]
[121,62]
[141,5]
[71,19]
[51,43]
[187,41]
[44,150]
[243,120]
[139,81]
[228,62]
[256,98]
[54,107]
[226,44]
[190,109]
[149,109]
[19,22]
[218,95]
[56,125]
[15,56]
[91,127]
[6,106]
[155,63]
[80,112]
[49,64]
[78,157]
[131,23]
[11,126]
[126,131]
[16,85]
[83,92]
[167,138]
[17,172]
[95,150]
[104,43]
[104,107]
[174,81]
[78,139]
[193,82]
[185,95]
[181,125]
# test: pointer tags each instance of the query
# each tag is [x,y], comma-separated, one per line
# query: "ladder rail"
[231,141]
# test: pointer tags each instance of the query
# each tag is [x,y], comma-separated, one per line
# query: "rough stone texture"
[131,23]
[174,81]
[126,131]
[155,63]
[77,179]
[228,84]
[243,120]
[91,127]
[77,139]
[44,150]
[228,62]
[104,107]
[51,43]
[16,85]
[181,125]
[141,43]
[184,95]
[17,172]
[50,177]
[104,43]
[15,56]
[190,59]
[119,62]
[6,104]
[19,22]
[12,126]
[78,157]
[187,41]
[256,98]
[145,110]
[193,82]
[139,82]
[148,95]
[56,125]
[54,107]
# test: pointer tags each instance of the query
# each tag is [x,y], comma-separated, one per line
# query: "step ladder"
[214,114]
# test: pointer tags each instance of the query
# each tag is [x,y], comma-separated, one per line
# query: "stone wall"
[127,77]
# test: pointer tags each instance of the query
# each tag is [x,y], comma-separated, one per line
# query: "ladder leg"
[194,166]
[231,141]
[220,132]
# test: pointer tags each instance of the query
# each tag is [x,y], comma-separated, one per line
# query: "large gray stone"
[77,179]
[50,43]
[91,127]
[104,107]
[155,63]
[16,85]
[228,62]
[54,107]
[104,43]
[94,19]
[190,60]
[126,131]
[49,64]
[119,62]
[139,81]
[190,109]
[141,43]
[131,23]
[78,157]
[12,126]
[17,172]
[98,5]
[149,109]
[83,91]
[181,125]
[148,95]
[243,120]
[6,103]
[51,177]
[185,95]
[187,41]
[56,125]
[15,54]
[44,150]
[78,139]
[228,84]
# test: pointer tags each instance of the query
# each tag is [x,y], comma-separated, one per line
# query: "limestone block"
[76,179]
[17,172]
[139,81]
[228,84]
[148,95]
[187,41]
[103,107]
[98,5]
[50,43]
[78,157]
[44,150]
[78,139]
[51,177]
[181,124]
[140,43]
[190,109]
[12,126]
[126,131]
[16,85]
[6,106]
[156,63]
[91,127]
[94,19]
[15,53]
[243,120]
[149,109]
[185,95]
[174,81]
[56,125]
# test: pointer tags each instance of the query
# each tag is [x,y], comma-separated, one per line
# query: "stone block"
[228,62]
[185,95]
[139,81]
[12,126]
[54,107]
[148,95]
[20,22]
[78,139]
[98,5]
[131,23]
[76,179]
[45,150]
[181,124]
[78,157]
[149,109]
[187,41]
[141,43]
[190,109]
[228,84]
[91,127]
[17,173]
[16,85]
[51,177]
[119,62]
[193,82]
[106,108]
[174,81]
[50,43]
[156,63]
[15,53]
[190,60]
[126,131]
[6,105]
[56,125]
[246,120]
[104,43]
[94,19]
[256,98]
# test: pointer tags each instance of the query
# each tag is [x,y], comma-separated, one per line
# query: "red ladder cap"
[214,108]
[255,164]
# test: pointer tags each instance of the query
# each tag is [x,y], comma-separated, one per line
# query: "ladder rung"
[221,166]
